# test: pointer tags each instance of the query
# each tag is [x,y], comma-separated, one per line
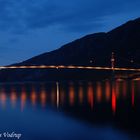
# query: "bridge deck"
[68,67]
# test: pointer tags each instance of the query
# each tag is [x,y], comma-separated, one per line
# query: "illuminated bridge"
[112,68]
[69,67]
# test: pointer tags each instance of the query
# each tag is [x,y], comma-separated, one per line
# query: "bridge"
[69,67]
[113,68]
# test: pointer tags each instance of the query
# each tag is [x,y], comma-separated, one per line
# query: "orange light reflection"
[33,97]
[43,96]
[71,95]
[3,99]
[81,94]
[13,97]
[23,98]
[99,92]
[90,95]
[107,90]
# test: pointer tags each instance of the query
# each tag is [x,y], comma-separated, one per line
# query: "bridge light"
[91,61]
[132,61]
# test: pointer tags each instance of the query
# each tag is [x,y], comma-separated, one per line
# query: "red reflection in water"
[71,95]
[90,95]
[23,98]
[113,99]
[133,94]
[81,94]
[99,92]
[33,96]
[107,90]
[13,97]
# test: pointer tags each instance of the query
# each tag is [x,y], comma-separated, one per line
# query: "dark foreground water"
[70,111]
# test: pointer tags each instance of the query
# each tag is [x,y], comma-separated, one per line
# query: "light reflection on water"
[60,94]
[96,103]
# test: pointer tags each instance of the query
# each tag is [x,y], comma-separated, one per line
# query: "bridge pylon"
[113,66]
[112,61]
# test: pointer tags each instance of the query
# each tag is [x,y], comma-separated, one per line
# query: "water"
[70,110]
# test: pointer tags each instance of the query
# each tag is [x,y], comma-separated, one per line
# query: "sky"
[31,27]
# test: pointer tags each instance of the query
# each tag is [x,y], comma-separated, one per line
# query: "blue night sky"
[31,27]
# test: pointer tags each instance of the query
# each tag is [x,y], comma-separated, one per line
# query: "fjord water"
[101,110]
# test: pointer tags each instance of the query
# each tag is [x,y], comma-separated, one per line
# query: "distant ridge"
[124,40]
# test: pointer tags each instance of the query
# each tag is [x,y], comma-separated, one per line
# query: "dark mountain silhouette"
[94,49]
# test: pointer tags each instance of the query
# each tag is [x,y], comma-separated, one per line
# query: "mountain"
[94,49]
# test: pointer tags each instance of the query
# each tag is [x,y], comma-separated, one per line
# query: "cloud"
[75,15]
